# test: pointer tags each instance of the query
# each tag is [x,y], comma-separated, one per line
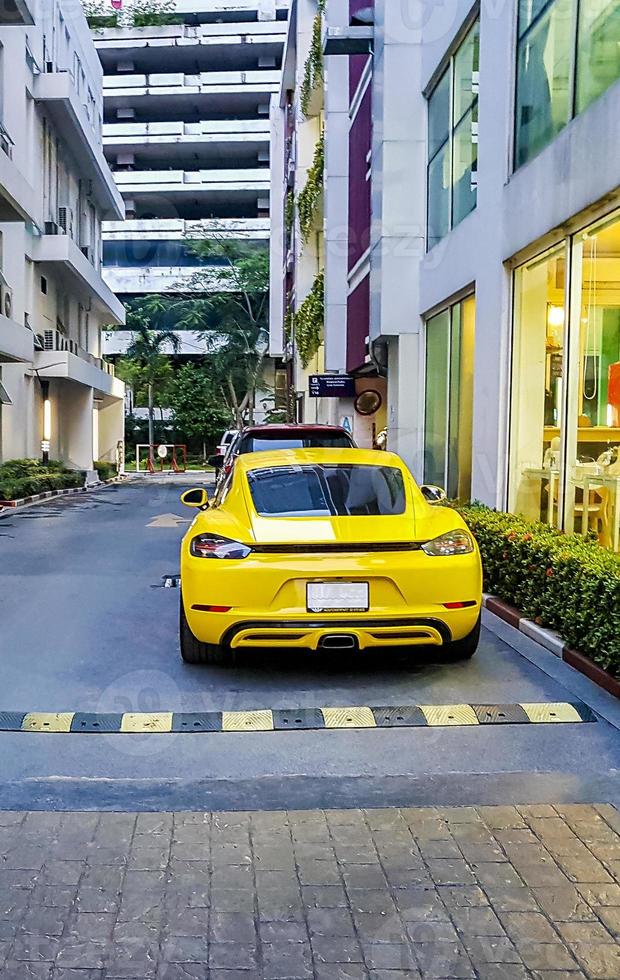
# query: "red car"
[256,438]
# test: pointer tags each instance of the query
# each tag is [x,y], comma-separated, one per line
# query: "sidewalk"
[498,893]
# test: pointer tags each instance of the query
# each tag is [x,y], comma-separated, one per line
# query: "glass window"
[592,481]
[449,399]
[267,441]
[452,141]
[598,49]
[559,74]
[439,115]
[438,197]
[436,413]
[465,166]
[565,430]
[327,491]
[543,71]
[538,357]
[465,84]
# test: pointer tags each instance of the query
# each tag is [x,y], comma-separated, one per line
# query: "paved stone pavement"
[498,893]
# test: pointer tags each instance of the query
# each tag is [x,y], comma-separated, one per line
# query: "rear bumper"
[311,632]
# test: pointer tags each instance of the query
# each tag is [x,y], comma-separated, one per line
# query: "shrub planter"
[40,497]
[553,643]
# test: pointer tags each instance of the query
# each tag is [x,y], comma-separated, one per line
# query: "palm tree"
[146,349]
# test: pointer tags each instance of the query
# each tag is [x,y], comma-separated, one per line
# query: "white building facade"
[55,189]
[186,132]
[493,246]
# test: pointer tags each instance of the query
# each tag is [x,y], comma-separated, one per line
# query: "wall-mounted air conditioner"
[6,300]
[65,220]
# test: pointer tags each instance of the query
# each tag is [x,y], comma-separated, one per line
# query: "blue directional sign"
[331,386]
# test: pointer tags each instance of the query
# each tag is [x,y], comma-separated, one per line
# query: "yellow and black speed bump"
[407,716]
[197,721]
[297,719]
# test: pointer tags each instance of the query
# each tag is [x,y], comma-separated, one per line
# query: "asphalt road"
[86,625]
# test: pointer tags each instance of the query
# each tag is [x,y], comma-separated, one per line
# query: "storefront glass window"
[598,49]
[538,354]
[593,409]
[436,414]
[560,74]
[453,141]
[449,399]
[565,430]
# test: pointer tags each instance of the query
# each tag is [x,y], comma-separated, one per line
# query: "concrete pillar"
[111,428]
[74,406]
[405,401]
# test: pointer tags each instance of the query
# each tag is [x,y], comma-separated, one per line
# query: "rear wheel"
[192,650]
[464,649]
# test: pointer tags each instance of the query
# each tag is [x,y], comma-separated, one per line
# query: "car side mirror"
[433,495]
[197,497]
[216,461]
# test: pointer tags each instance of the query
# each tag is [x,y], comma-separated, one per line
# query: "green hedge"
[106,470]
[26,477]
[563,581]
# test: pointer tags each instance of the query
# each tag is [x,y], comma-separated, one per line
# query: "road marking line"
[147,721]
[349,718]
[247,721]
[544,713]
[449,714]
[300,719]
[48,721]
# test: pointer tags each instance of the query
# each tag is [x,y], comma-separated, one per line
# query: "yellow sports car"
[326,549]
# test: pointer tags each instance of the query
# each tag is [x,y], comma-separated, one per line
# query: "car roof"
[291,457]
[292,428]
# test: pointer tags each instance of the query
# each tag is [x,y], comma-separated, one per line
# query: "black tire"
[464,649]
[195,652]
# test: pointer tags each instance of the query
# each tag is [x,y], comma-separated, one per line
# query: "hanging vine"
[308,199]
[289,212]
[308,321]
[288,319]
[313,69]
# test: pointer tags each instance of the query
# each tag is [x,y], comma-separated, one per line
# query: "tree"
[234,315]
[134,13]
[196,404]
[146,350]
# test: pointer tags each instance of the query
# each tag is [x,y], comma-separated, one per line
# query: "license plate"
[337,596]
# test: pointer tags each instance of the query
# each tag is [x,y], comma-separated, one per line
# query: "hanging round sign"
[162,451]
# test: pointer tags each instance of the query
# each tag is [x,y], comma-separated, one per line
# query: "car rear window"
[327,440]
[344,490]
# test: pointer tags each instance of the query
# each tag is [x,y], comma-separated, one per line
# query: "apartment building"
[483,169]
[58,395]
[186,133]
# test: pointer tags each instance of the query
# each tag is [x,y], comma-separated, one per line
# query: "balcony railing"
[55,340]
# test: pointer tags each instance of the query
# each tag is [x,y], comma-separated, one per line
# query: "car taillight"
[214,546]
[456,542]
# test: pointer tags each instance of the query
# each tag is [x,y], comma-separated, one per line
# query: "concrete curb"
[552,642]
[39,498]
